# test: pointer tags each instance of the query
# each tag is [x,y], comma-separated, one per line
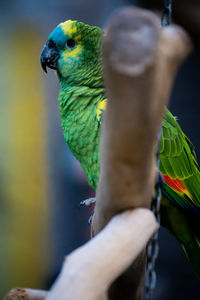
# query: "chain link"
[152,248]
[166,13]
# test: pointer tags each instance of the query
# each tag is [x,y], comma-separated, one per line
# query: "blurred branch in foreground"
[138,86]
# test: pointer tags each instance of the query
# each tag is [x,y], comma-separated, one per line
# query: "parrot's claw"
[90,219]
[88,202]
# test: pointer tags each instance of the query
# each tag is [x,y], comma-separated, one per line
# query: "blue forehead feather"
[58,36]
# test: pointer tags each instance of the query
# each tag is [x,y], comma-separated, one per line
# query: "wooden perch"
[140,62]
[89,270]
[25,294]
[80,276]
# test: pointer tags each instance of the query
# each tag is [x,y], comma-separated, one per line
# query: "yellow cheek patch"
[100,108]
[74,53]
[68,28]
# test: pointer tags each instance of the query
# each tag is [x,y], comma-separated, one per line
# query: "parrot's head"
[73,49]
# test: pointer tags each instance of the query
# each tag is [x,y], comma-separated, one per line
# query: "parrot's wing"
[101,106]
[181,174]
[179,166]
[178,163]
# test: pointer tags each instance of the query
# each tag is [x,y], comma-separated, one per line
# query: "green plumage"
[78,109]
[79,72]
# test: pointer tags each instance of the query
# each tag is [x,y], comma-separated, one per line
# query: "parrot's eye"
[70,43]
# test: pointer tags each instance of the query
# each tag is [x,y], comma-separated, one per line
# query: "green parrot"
[73,49]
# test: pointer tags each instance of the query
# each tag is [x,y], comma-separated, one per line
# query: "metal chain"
[152,248]
[166,13]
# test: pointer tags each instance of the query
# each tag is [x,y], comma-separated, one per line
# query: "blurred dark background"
[41,183]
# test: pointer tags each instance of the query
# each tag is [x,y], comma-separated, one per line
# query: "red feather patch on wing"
[176,185]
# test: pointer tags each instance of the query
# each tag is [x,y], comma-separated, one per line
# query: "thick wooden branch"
[140,62]
[89,270]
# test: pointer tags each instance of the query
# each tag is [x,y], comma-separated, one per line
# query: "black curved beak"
[49,56]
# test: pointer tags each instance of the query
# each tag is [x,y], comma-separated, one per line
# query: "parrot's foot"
[88,202]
